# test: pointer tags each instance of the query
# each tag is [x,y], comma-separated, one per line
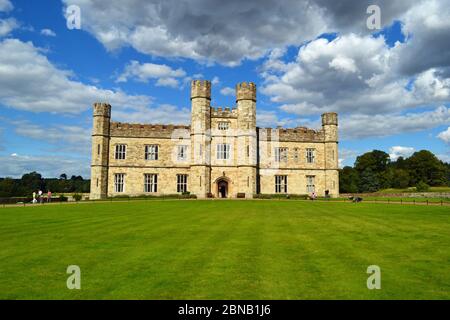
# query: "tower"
[200,175]
[246,137]
[100,151]
[330,129]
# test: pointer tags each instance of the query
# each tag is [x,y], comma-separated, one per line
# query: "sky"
[390,87]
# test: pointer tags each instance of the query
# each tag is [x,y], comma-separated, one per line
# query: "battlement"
[102,109]
[299,134]
[119,129]
[246,91]
[201,89]
[227,112]
[329,118]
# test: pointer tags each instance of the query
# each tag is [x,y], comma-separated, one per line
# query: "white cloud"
[343,64]
[445,136]
[359,126]
[223,31]
[164,114]
[228,91]
[17,165]
[347,157]
[165,75]
[24,70]
[398,151]
[62,138]
[48,33]
[6,5]
[444,157]
[215,81]
[7,25]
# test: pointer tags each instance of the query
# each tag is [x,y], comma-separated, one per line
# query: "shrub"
[77,197]
[122,196]
[63,198]
[422,187]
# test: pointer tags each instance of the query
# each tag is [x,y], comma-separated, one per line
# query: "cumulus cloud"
[62,138]
[347,157]
[351,74]
[16,165]
[445,136]
[228,91]
[164,114]
[215,81]
[24,70]
[223,31]
[7,26]
[48,33]
[358,126]
[6,5]
[165,75]
[396,152]
[427,25]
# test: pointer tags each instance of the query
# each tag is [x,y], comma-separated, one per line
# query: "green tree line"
[33,181]
[374,171]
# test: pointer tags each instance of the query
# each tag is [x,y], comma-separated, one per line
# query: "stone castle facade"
[221,154]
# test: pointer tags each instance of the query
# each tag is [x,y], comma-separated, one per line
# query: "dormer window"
[224,125]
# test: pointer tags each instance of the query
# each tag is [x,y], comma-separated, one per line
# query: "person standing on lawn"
[49,196]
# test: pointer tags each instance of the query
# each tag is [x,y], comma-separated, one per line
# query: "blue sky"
[391,88]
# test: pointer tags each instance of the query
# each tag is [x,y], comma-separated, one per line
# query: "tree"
[348,180]
[375,160]
[369,181]
[31,182]
[425,166]
[400,178]
[373,165]
[63,176]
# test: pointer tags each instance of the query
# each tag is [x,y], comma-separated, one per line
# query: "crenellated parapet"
[119,129]
[102,109]
[246,91]
[227,112]
[299,134]
[330,118]
[201,89]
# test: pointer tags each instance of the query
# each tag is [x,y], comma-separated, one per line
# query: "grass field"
[225,250]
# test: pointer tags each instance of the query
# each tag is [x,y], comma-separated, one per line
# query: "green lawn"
[225,250]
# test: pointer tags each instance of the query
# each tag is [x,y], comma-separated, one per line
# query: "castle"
[222,154]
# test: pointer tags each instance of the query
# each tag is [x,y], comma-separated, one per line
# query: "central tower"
[200,138]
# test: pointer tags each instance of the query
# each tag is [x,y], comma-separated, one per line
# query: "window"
[281,154]
[121,150]
[119,182]
[224,125]
[98,149]
[223,151]
[182,182]
[151,152]
[280,184]
[150,183]
[310,184]
[296,154]
[182,152]
[248,151]
[310,155]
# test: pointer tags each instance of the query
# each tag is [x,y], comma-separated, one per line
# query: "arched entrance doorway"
[222,188]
